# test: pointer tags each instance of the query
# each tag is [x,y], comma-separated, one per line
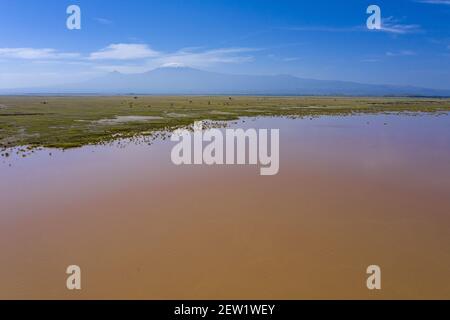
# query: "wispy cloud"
[445,2]
[124,51]
[35,54]
[103,21]
[132,58]
[195,58]
[389,24]
[392,25]
[400,53]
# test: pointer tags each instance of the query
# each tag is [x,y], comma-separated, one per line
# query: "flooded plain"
[352,191]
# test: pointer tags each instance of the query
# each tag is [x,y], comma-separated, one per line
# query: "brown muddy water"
[351,192]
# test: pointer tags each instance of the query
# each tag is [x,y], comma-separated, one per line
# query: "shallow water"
[351,192]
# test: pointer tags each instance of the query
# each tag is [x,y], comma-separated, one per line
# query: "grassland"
[68,122]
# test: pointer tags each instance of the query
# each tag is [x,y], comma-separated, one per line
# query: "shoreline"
[71,122]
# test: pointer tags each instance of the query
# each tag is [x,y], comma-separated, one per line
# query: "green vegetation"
[68,122]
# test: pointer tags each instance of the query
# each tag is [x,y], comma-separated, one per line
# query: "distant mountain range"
[188,81]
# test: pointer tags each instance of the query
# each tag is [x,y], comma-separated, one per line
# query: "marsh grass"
[69,122]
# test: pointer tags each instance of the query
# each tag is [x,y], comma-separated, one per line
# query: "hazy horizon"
[182,80]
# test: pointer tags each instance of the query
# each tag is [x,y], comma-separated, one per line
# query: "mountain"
[183,80]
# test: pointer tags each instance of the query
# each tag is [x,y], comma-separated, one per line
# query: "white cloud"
[124,51]
[447,2]
[400,53]
[393,26]
[125,58]
[103,21]
[173,65]
[389,24]
[35,54]
[188,57]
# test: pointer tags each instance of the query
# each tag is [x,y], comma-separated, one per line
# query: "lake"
[351,191]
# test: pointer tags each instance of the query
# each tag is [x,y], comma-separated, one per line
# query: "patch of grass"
[69,122]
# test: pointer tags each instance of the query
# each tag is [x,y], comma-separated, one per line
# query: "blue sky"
[312,39]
